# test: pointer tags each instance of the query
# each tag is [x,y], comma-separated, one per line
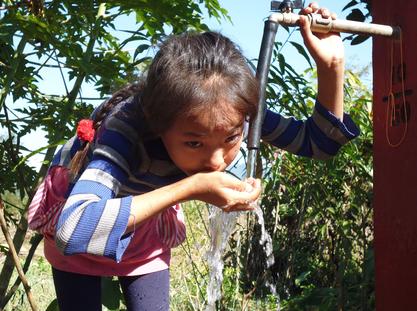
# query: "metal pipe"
[325,25]
[318,24]
[262,70]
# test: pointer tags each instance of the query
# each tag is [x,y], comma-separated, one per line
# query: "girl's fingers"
[314,8]
[238,208]
[243,186]
[243,200]
[228,192]
[306,31]
[253,188]
[324,12]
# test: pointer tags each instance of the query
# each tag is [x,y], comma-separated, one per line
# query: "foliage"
[87,48]
[39,276]
[318,213]
[360,12]
[80,43]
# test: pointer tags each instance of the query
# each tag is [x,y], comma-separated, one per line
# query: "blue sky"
[248,18]
[246,30]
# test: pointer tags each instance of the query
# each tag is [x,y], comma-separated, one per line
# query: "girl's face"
[205,142]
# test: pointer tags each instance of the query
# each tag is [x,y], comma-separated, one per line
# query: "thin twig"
[16,258]
[246,297]
[60,71]
[28,260]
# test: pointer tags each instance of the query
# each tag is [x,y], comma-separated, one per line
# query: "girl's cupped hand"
[225,191]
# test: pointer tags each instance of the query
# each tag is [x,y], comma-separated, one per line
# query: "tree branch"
[35,243]
[16,261]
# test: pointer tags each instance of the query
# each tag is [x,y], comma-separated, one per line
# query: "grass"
[39,277]
[189,271]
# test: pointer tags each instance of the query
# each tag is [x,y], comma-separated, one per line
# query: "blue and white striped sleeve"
[93,219]
[319,137]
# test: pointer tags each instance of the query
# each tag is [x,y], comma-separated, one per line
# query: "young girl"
[169,140]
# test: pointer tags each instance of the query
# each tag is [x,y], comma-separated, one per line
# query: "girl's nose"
[216,161]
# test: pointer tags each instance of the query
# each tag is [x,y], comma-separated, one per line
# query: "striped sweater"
[126,161]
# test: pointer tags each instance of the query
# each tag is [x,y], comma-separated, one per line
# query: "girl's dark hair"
[190,73]
[195,72]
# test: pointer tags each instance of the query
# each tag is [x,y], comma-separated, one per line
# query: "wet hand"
[326,48]
[252,187]
[225,191]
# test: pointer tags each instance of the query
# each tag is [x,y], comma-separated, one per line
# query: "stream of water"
[221,226]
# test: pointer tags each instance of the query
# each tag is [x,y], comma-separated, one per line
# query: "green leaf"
[359,39]
[281,62]
[356,15]
[111,293]
[350,4]
[302,51]
[53,306]
[301,278]
[141,48]
[35,152]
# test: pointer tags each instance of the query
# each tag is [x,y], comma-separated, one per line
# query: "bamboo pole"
[15,257]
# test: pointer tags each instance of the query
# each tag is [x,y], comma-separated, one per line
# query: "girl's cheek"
[233,153]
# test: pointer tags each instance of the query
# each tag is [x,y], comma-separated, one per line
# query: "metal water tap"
[283,15]
[286,6]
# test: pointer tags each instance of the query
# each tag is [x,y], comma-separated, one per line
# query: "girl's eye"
[233,138]
[193,144]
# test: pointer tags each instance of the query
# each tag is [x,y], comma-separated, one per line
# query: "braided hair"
[78,161]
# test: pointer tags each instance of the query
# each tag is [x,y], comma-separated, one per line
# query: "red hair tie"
[85,130]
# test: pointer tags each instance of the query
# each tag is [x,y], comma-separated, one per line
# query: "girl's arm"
[328,53]
[96,221]
[328,128]
[217,188]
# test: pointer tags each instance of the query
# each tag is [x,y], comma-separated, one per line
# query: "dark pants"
[78,292]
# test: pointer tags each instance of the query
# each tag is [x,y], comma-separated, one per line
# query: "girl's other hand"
[326,48]
[225,191]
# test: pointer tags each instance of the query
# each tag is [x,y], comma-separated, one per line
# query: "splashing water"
[221,225]
[266,242]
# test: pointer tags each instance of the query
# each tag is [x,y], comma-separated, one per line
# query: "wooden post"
[395,157]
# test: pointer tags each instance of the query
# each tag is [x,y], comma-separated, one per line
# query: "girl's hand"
[217,188]
[326,48]
[225,191]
